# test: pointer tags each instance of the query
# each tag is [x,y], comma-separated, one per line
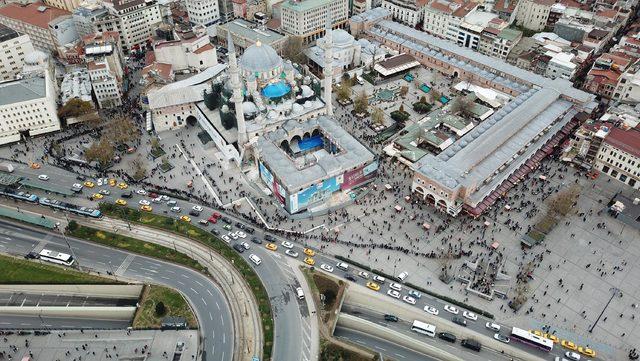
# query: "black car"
[249,230]
[226,220]
[127,195]
[449,337]
[238,247]
[256,240]
[269,238]
[459,321]
[240,225]
[215,231]
[472,344]
[350,278]
[32,255]
[391,318]
[194,213]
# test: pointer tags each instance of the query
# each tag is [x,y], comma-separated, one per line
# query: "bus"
[423,328]
[530,339]
[56,257]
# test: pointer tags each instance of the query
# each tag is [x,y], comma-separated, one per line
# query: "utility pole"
[615,291]
[64,235]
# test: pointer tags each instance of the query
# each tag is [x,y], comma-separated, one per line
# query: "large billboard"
[315,193]
[359,175]
[275,187]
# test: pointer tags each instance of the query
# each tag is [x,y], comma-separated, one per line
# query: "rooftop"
[625,140]
[252,31]
[371,15]
[22,90]
[37,14]
[304,5]
[7,33]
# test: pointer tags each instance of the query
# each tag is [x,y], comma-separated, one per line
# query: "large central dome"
[260,58]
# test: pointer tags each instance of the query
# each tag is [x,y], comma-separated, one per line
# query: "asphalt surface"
[35,322]
[21,299]
[386,348]
[203,294]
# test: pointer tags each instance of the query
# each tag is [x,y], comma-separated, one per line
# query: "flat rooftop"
[22,90]
[252,31]
[7,33]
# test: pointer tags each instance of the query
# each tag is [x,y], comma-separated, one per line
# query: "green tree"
[361,103]
[161,309]
[75,107]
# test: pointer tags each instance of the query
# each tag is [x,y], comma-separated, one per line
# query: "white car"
[363,274]
[43,177]
[77,186]
[451,309]
[99,182]
[164,198]
[245,245]
[393,293]
[432,310]
[403,275]
[241,234]
[492,326]
[141,192]
[343,266]
[410,300]
[291,253]
[156,200]
[572,355]
[396,286]
[105,192]
[226,238]
[326,267]
[232,235]
[286,244]
[470,315]
[144,202]
[379,279]
[176,209]
[197,208]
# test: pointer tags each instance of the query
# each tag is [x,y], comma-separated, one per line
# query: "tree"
[293,50]
[423,99]
[404,90]
[161,309]
[343,93]
[361,103]
[155,142]
[377,116]
[75,107]
[122,130]
[139,168]
[401,109]
[462,104]
[101,151]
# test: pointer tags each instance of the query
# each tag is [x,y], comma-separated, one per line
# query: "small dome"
[249,108]
[341,37]
[306,91]
[260,58]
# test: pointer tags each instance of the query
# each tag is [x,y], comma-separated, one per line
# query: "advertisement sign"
[360,175]
[313,194]
[269,180]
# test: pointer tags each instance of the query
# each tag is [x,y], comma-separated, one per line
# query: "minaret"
[236,87]
[328,65]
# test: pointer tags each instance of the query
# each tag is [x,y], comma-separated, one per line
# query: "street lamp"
[64,235]
[614,292]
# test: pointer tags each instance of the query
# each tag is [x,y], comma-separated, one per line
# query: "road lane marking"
[203,301]
[194,291]
[210,316]
[208,290]
[217,305]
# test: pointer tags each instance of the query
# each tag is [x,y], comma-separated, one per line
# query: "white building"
[13,48]
[628,88]
[408,12]
[76,84]
[193,53]
[307,18]
[346,53]
[27,108]
[203,12]
[533,14]
[68,5]
[467,31]
[619,155]
[105,84]
[561,66]
[437,16]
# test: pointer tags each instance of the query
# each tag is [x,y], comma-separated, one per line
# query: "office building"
[13,49]
[308,18]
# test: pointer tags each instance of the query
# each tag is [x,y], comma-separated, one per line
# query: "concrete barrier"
[95,313]
[102,291]
[370,328]
[375,301]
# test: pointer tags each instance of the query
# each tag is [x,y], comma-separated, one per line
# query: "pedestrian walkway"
[41,221]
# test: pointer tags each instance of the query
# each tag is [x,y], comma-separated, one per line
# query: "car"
[227,227]
[291,253]
[204,222]
[268,237]
[164,198]
[155,195]
[212,219]
[146,208]
[310,261]
[391,318]
[256,240]
[216,215]
[77,186]
[492,326]
[403,275]
[197,208]
[586,351]
[552,337]
[97,196]
[572,355]
[326,267]
[121,202]
[112,182]
[123,185]
[227,220]
[537,333]
[185,218]
[249,230]
[396,286]
[156,200]
[502,338]
[245,245]
[410,300]
[271,246]
[80,177]
[238,248]
[343,266]
[241,234]
[363,274]
[232,235]
[286,244]
[35,166]
[215,231]
[415,294]
[226,238]
[451,309]
[144,202]
[569,345]
[43,177]
[393,293]
[240,225]
[309,252]
[449,337]
[470,315]
[99,182]
[350,278]
[255,259]
[431,310]
[32,255]
[89,184]
[459,321]
[194,213]
[176,209]
[379,279]
[374,286]
[172,203]
[105,192]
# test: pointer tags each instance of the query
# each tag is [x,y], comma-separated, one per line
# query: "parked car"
[238,248]
[459,321]
[391,318]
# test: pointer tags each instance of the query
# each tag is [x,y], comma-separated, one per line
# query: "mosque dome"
[260,58]
[341,37]
[249,108]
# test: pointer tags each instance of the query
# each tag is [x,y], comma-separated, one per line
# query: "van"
[300,293]
[472,344]
[343,266]
[449,337]
[255,259]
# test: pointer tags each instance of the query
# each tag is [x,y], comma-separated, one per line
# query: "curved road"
[203,294]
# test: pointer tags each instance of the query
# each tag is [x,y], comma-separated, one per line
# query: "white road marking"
[194,291]
[210,316]
[203,301]
[217,305]
[210,292]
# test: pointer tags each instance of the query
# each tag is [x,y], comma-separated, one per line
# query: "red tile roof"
[605,76]
[465,9]
[204,48]
[610,13]
[442,7]
[30,14]
[625,140]
[163,70]
[92,65]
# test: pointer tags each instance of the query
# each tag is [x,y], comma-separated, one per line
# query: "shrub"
[161,310]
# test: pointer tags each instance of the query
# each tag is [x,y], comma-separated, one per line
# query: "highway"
[203,294]
[35,322]
[386,348]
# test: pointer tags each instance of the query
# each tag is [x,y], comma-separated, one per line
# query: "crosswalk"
[125,264]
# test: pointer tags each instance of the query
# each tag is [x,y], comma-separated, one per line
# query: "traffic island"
[157,303]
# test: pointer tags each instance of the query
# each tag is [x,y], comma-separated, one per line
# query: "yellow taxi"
[271,246]
[35,166]
[97,196]
[551,337]
[309,252]
[185,218]
[121,202]
[310,261]
[89,184]
[112,182]
[587,351]
[568,344]
[537,333]
[123,185]
[374,286]
[146,208]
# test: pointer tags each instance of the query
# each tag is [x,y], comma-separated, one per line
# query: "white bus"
[56,257]
[424,328]
[529,338]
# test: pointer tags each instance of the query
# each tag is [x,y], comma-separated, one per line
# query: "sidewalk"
[312,318]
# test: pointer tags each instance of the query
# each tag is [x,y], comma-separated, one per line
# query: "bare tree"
[361,103]
[293,50]
[404,90]
[122,130]
[139,168]
[101,151]
[377,116]
[343,93]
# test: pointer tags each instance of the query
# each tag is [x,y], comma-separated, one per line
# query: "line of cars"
[569,345]
[288,246]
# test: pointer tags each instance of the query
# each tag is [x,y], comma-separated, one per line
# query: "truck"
[7,167]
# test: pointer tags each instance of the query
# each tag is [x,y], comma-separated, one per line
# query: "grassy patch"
[175,304]
[20,271]
[330,351]
[192,232]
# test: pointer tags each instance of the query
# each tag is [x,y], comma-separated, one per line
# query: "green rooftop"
[510,34]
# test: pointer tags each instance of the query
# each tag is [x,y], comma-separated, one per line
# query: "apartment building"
[533,14]
[408,12]
[68,5]
[13,49]
[619,155]
[497,42]
[105,46]
[437,16]
[195,52]
[203,12]
[308,18]
[105,84]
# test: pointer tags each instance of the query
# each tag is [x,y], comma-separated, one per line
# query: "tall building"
[106,86]
[408,12]
[27,108]
[203,12]
[533,14]
[307,18]
[619,155]
[13,49]
[106,45]
[68,5]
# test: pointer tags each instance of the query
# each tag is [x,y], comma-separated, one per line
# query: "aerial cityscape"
[319,180]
